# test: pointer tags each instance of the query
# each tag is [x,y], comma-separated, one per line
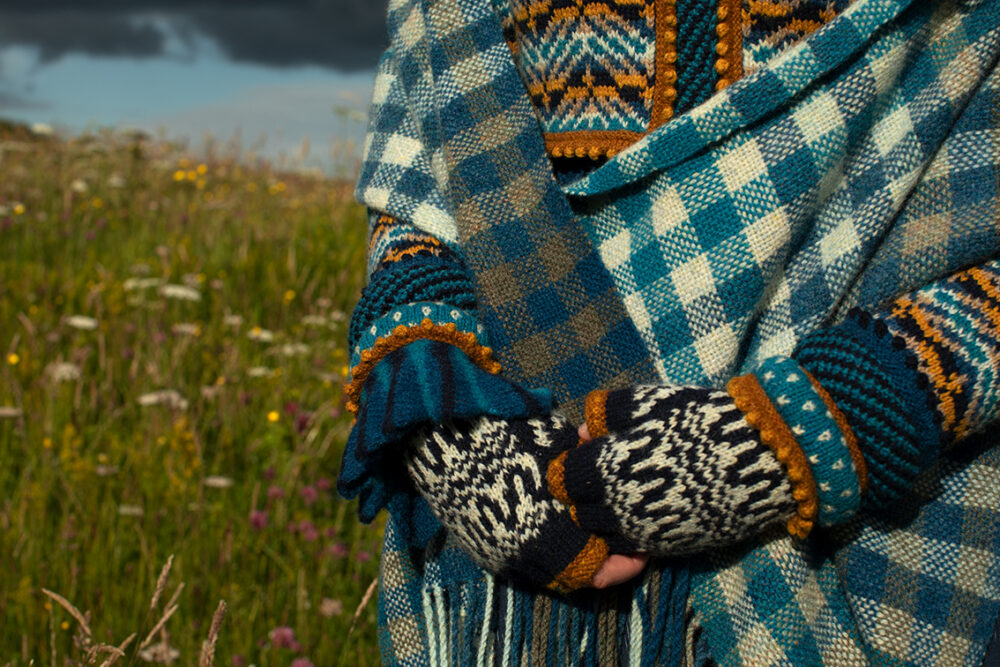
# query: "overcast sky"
[274,67]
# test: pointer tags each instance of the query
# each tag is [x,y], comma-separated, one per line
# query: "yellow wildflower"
[179,175]
[18,209]
[202,169]
[47,443]
[289,296]
[97,202]
[273,416]
[251,187]
[13,359]
[192,175]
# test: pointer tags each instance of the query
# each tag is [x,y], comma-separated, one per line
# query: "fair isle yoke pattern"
[588,66]
[770,26]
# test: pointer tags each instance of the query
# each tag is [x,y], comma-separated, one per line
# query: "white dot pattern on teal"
[816,431]
[413,314]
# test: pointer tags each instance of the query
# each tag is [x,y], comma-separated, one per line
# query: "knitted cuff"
[391,240]
[440,323]
[691,476]
[862,387]
[817,433]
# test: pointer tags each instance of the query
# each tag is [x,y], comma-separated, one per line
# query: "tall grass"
[172,336]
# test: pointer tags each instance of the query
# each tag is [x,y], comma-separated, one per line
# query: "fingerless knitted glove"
[485,481]
[682,471]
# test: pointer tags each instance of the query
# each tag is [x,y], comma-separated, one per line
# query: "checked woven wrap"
[857,165]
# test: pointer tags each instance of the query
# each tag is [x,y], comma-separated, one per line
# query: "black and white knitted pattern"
[692,475]
[485,481]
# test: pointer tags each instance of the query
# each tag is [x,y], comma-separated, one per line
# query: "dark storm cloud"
[344,34]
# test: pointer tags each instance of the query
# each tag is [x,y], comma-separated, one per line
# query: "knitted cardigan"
[855,165]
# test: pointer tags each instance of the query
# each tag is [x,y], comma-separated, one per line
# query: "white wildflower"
[210,391]
[9,412]
[186,329]
[259,372]
[42,129]
[192,279]
[79,186]
[4,210]
[182,292]
[261,335]
[141,269]
[324,302]
[234,321]
[130,510]
[293,350]
[82,322]
[105,471]
[314,321]
[116,181]
[63,371]
[133,284]
[217,482]
[168,397]
[338,316]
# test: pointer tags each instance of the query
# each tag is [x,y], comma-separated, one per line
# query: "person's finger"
[619,568]
[584,432]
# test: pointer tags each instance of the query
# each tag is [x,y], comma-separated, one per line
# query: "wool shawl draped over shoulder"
[856,165]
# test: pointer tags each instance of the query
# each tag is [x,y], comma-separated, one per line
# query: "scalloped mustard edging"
[403,335]
[756,407]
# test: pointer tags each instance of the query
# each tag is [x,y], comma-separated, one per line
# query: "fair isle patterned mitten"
[684,471]
[485,481]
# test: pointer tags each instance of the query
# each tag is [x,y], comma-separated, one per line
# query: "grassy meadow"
[172,333]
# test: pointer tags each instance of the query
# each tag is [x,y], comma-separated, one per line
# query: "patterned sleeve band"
[419,289]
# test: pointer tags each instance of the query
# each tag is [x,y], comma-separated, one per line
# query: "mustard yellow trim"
[581,571]
[404,335]
[596,414]
[729,43]
[665,76]
[595,144]
[555,476]
[754,403]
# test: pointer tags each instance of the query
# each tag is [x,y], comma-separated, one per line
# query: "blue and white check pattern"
[896,571]
[728,233]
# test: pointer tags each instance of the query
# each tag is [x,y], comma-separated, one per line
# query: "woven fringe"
[488,622]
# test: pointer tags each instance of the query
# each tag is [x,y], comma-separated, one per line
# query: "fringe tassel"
[491,623]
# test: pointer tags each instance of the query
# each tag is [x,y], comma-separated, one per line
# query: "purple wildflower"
[309,494]
[258,520]
[283,637]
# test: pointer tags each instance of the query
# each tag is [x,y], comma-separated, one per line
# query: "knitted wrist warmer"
[485,481]
[692,474]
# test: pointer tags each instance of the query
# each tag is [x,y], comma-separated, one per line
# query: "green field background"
[172,333]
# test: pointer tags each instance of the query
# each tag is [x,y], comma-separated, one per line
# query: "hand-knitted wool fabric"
[824,445]
[485,482]
[692,475]
[770,26]
[844,172]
